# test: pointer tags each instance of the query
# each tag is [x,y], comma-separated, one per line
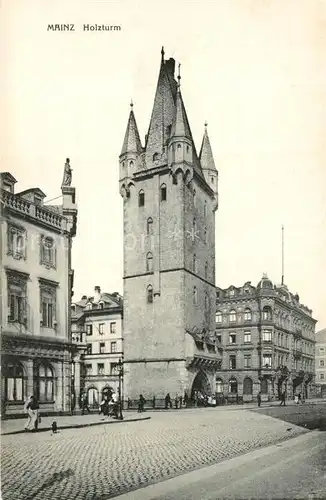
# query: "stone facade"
[269,342]
[97,332]
[170,198]
[36,286]
[321,362]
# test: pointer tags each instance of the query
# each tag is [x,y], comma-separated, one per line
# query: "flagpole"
[282,255]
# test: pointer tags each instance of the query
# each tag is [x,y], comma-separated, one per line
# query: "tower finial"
[131,104]
[162,52]
[179,76]
[205,124]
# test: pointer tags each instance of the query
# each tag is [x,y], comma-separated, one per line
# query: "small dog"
[54,427]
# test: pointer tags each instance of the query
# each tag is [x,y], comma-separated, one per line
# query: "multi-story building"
[36,287]
[269,342]
[96,325]
[169,198]
[320,361]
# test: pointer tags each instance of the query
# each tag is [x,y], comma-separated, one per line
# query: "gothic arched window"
[149,226]
[205,234]
[233,315]
[150,294]
[141,198]
[194,263]
[218,317]
[149,262]
[195,296]
[163,192]
[205,208]
[206,270]
[194,197]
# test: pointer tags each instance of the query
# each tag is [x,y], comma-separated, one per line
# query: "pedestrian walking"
[282,399]
[141,403]
[32,408]
[84,404]
[299,398]
[176,401]
[180,401]
[296,399]
[185,399]
[259,398]
[168,402]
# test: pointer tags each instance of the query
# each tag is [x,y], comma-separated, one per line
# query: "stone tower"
[170,198]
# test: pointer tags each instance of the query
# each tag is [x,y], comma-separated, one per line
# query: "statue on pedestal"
[67,174]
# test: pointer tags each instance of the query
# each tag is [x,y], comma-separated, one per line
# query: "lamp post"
[120,375]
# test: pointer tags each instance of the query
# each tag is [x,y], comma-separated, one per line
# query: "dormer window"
[100,305]
[37,200]
[155,157]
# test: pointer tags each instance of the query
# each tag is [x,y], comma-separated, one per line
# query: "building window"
[322,376]
[232,362]
[113,368]
[195,296]
[101,305]
[149,262]
[163,192]
[89,329]
[247,361]
[194,197]
[14,382]
[16,242]
[100,368]
[218,317]
[48,251]
[267,360]
[232,338]
[231,292]
[113,347]
[48,294]
[101,328]
[247,386]
[113,326]
[206,270]
[88,348]
[141,198]
[233,316]
[321,363]
[149,226]
[247,337]
[205,208]
[219,385]
[89,369]
[267,313]
[194,263]
[247,314]
[321,350]
[194,227]
[205,235]
[45,383]
[102,347]
[150,294]
[219,338]
[233,386]
[267,336]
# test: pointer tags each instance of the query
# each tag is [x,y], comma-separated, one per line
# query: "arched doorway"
[247,386]
[200,387]
[93,397]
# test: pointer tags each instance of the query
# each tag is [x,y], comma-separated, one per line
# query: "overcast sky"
[254,69]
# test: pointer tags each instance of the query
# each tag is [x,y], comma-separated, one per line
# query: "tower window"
[149,294]
[149,262]
[141,198]
[194,264]
[149,226]
[131,164]
[206,302]
[179,146]
[187,149]
[194,197]
[155,156]
[205,235]
[163,192]
[205,208]
[212,180]
[194,226]
[195,295]
[206,270]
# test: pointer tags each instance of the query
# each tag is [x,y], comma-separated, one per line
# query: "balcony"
[297,353]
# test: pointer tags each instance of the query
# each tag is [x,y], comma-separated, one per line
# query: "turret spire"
[132,142]
[206,155]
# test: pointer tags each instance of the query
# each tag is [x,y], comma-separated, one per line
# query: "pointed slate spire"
[163,109]
[206,155]
[180,125]
[132,142]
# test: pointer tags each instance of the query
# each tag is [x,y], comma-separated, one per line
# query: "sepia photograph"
[163,250]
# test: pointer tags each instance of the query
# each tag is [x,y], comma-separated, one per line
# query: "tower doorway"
[201,387]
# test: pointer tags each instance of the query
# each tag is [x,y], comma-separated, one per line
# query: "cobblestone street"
[100,462]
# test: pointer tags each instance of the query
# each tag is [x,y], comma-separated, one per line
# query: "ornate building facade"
[269,342]
[169,201]
[36,287]
[321,362]
[96,325]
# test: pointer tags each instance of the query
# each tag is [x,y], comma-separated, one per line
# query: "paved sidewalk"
[16,426]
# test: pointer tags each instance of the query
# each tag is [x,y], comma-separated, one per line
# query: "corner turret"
[208,165]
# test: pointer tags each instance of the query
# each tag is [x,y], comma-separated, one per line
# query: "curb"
[76,426]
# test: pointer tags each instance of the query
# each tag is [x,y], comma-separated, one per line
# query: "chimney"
[97,294]
[84,297]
